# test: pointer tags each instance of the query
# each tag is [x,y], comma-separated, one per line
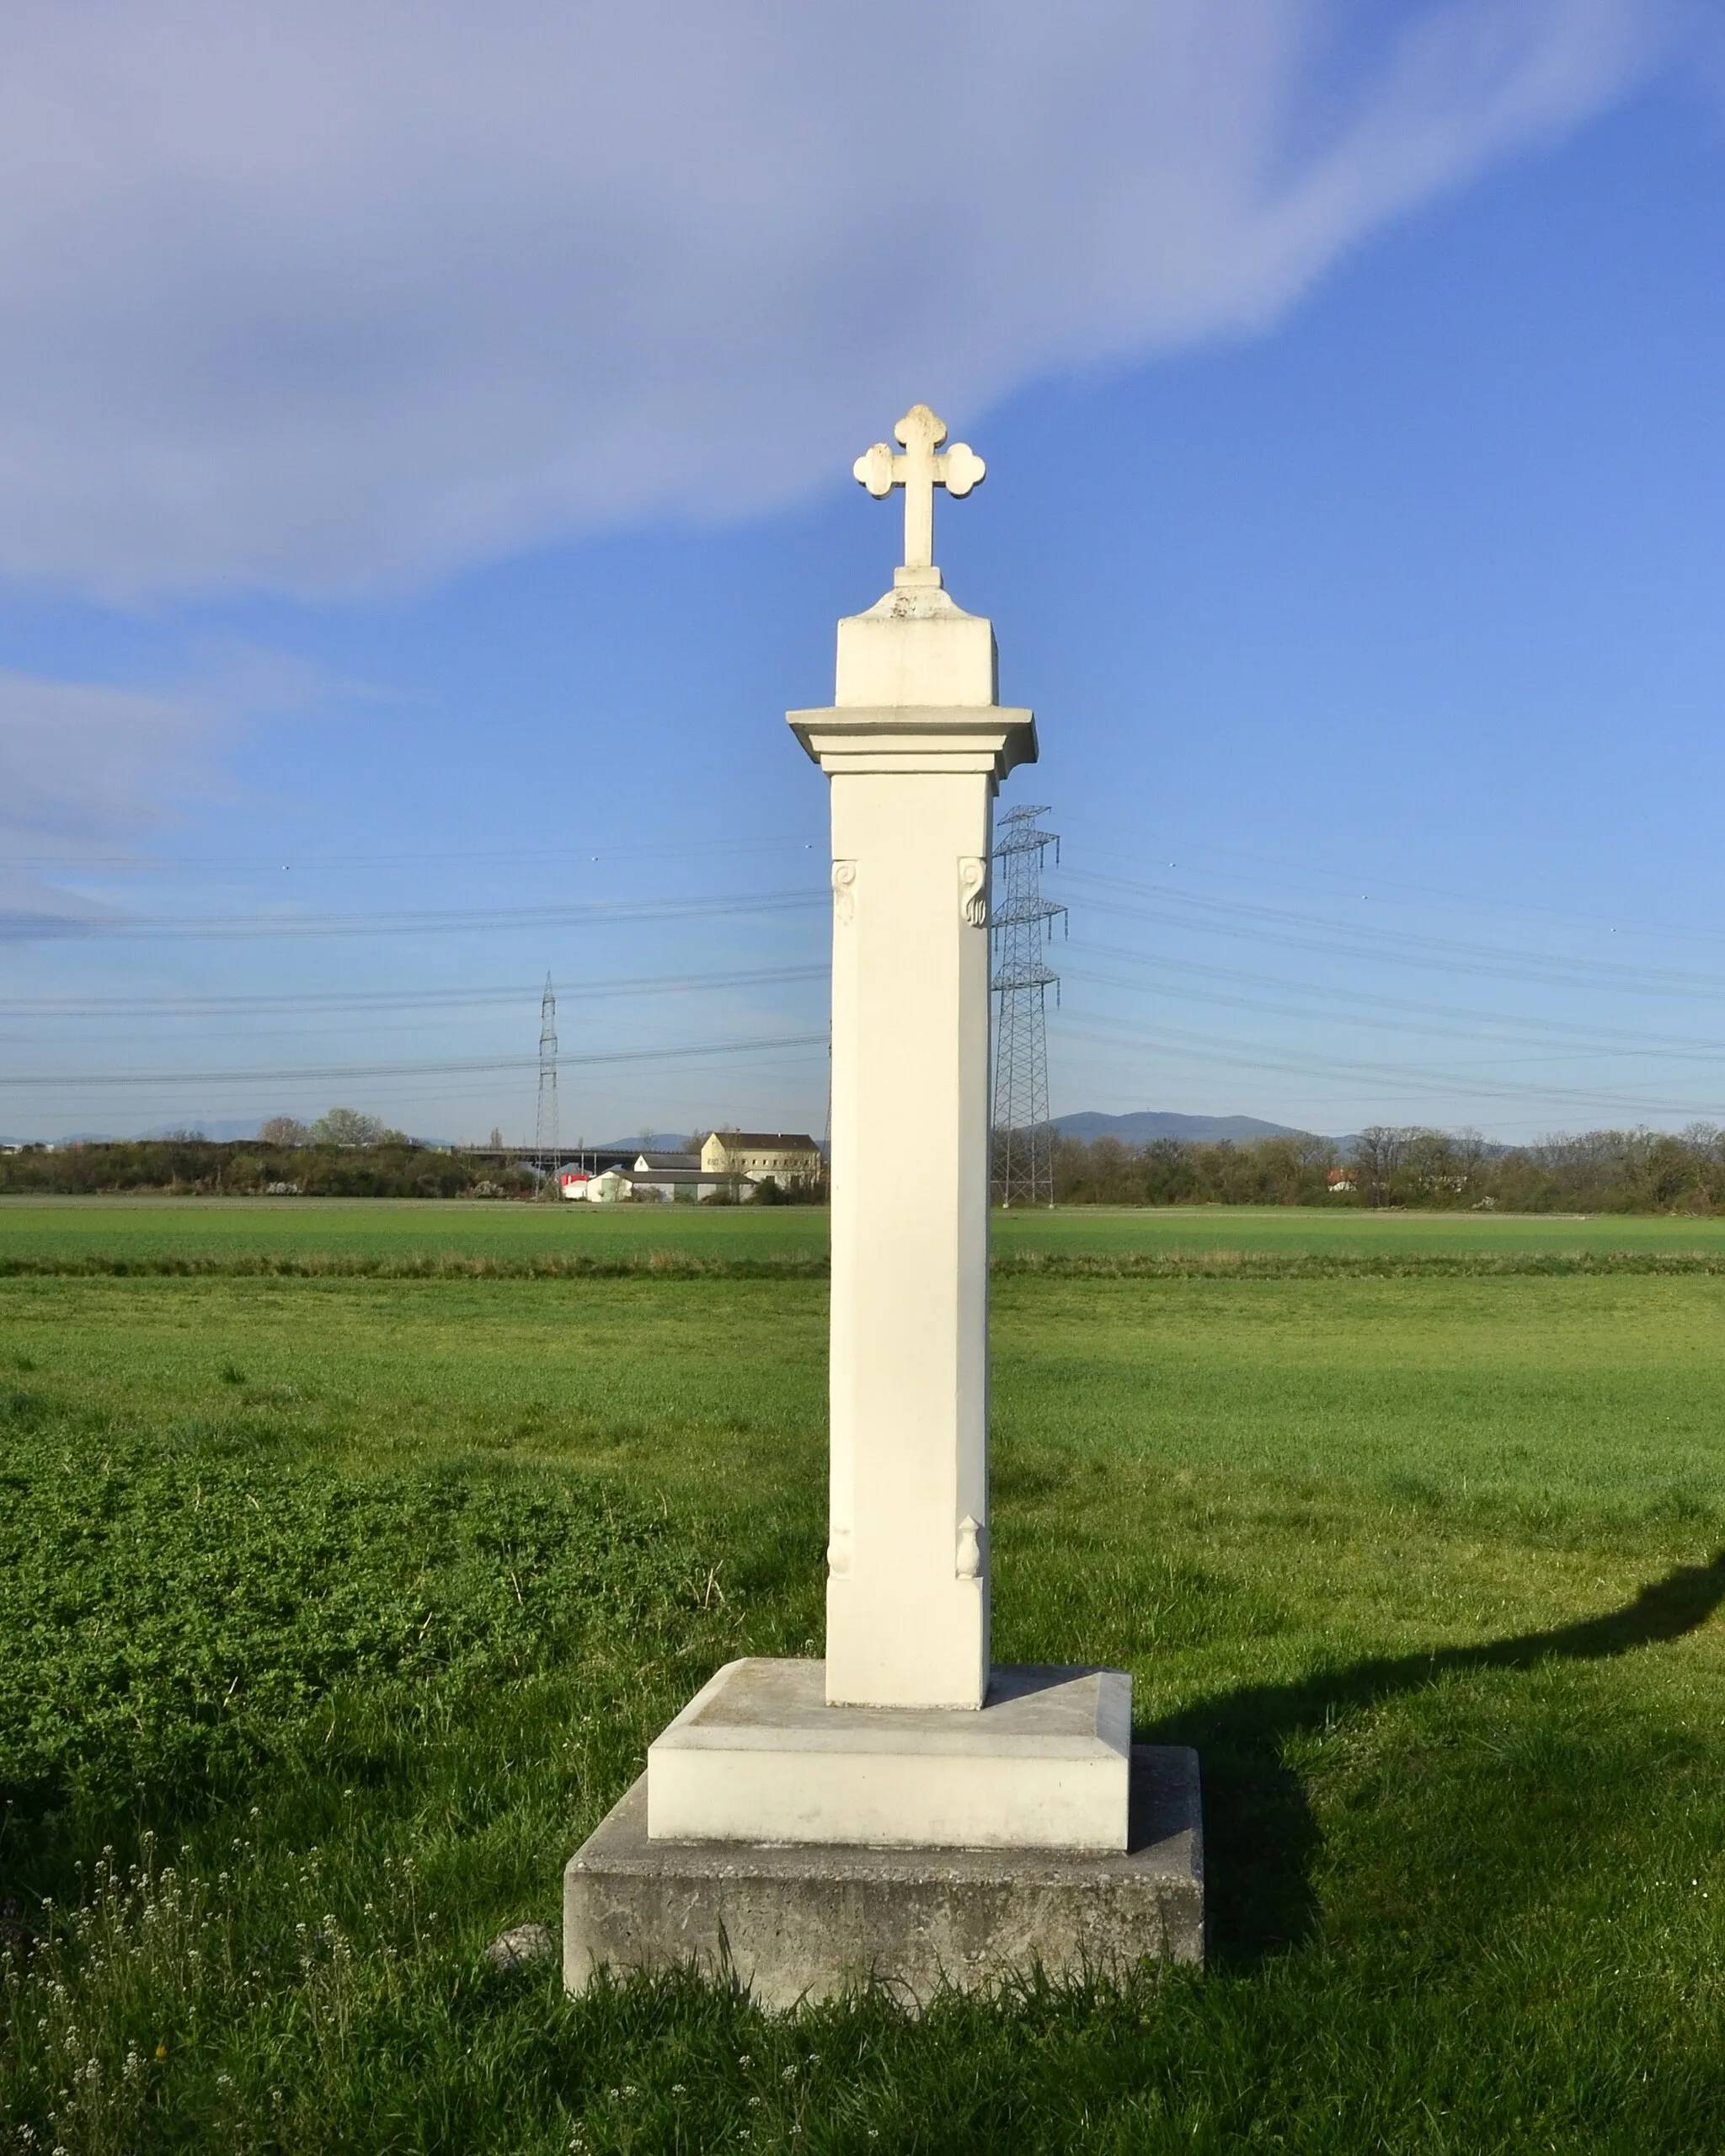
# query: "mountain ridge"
[1145,1124]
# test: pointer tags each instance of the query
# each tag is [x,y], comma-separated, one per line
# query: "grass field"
[363,1596]
[75,1228]
[66,1230]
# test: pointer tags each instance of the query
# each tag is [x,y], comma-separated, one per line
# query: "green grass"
[1346,1230]
[373,1228]
[369,1593]
[403,1234]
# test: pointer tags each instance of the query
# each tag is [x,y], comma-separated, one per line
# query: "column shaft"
[907,1591]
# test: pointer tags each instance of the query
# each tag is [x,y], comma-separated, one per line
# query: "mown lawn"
[368,1593]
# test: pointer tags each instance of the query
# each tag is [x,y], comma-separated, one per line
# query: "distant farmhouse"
[731,1164]
[651,1175]
[758,1155]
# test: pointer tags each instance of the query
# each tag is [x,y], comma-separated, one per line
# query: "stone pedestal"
[808,1922]
[759,1756]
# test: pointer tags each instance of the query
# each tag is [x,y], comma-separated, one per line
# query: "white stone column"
[915,745]
[904,1738]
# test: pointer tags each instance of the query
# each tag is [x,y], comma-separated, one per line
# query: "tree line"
[344,1154]
[1395,1164]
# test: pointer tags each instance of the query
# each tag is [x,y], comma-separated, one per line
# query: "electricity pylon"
[1022,1169]
[545,1134]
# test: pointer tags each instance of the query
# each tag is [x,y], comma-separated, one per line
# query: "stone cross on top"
[919,472]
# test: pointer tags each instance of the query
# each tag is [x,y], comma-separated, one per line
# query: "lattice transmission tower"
[1023,1163]
[545,1142]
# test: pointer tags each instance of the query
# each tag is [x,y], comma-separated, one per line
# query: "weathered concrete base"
[794,1922]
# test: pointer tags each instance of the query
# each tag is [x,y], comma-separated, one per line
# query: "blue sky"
[424,484]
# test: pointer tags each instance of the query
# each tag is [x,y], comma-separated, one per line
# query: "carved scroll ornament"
[973,890]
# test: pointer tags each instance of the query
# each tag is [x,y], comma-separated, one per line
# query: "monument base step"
[810,1922]
[758,1755]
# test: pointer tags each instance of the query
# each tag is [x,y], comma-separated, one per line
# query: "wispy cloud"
[86,772]
[311,296]
[91,773]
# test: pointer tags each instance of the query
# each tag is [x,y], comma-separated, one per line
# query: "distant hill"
[1148,1123]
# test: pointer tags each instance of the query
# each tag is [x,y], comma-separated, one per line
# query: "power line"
[276,927]
[280,1077]
[653,984]
[1263,1057]
[113,864]
[1318,882]
[1388,946]
[1491,1031]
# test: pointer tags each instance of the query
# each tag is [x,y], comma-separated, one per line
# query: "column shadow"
[1260,1837]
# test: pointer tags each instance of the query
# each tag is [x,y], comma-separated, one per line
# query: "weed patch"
[174,1616]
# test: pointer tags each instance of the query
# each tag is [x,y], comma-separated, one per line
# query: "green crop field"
[68,1229]
[64,1231]
[338,1606]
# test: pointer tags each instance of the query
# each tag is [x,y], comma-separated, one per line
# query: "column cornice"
[992,739]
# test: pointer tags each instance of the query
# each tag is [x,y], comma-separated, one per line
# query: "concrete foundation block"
[792,1922]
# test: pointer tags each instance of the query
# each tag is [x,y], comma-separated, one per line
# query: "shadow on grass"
[1260,1836]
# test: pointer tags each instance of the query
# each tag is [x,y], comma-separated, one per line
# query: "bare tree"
[1379,1152]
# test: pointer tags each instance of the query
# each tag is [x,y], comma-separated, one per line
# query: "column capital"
[990,739]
